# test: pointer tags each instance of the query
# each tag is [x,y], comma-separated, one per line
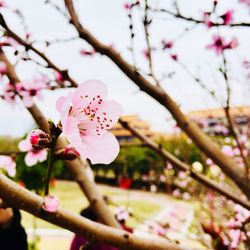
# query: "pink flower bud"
[174,57]
[50,203]
[39,139]
[228,17]
[167,44]
[68,153]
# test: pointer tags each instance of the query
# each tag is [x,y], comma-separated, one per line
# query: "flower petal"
[86,91]
[30,159]
[60,103]
[25,145]
[109,113]
[100,149]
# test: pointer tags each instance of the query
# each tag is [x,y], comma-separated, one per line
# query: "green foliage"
[33,177]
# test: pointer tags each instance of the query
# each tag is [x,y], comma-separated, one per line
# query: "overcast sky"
[109,22]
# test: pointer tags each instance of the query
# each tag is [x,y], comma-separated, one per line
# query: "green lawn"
[72,199]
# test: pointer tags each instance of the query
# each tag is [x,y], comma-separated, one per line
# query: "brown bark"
[19,197]
[210,148]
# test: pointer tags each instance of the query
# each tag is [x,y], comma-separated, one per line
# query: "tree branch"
[227,164]
[16,196]
[197,21]
[29,46]
[229,194]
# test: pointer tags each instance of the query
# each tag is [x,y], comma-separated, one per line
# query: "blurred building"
[214,122]
[142,126]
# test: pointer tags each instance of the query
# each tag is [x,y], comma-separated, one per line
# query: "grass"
[73,199]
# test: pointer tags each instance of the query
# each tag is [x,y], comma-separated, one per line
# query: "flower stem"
[54,134]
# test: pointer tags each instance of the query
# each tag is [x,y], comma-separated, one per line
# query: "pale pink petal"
[109,113]
[25,145]
[41,155]
[30,159]
[71,131]
[100,149]
[88,90]
[50,203]
[11,170]
[7,163]
[60,103]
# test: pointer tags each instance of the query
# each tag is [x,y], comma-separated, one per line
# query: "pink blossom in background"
[28,90]
[232,44]
[8,41]
[228,150]
[3,68]
[33,156]
[235,235]
[127,6]
[167,44]
[86,116]
[219,44]
[9,94]
[145,53]
[156,228]
[206,19]
[85,52]
[247,2]
[174,57]
[50,203]
[228,17]
[7,163]
[121,213]
[2,3]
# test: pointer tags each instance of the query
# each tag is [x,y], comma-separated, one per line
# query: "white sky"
[109,22]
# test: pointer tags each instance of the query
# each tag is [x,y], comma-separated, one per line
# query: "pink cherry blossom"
[167,44]
[121,213]
[28,90]
[219,44]
[174,57]
[145,53]
[50,203]
[228,17]
[9,94]
[228,150]
[86,116]
[33,156]
[7,163]
[235,235]
[8,41]
[247,2]
[127,6]
[85,52]
[206,19]
[2,3]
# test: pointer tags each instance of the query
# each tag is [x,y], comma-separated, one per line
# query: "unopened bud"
[50,203]
[39,139]
[68,153]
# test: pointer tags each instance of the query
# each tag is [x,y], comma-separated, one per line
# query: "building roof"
[217,113]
